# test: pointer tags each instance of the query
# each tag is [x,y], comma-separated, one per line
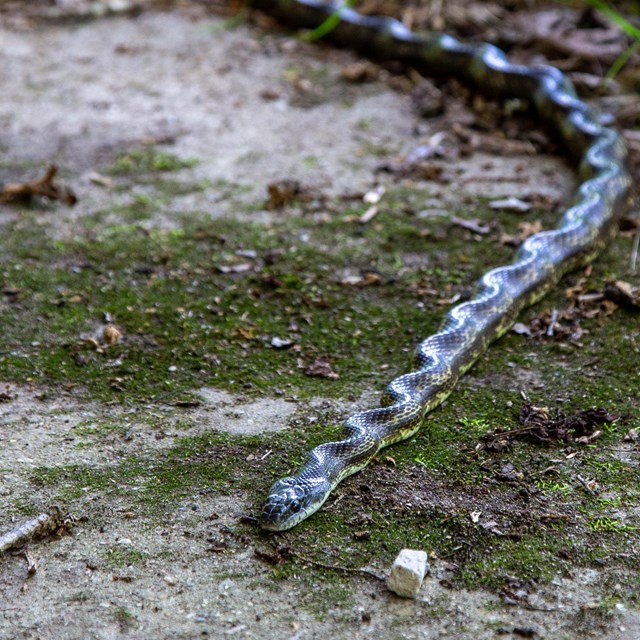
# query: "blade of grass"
[631,30]
[328,25]
[615,17]
[622,59]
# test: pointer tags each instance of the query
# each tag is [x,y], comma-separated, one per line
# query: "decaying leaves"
[321,368]
[282,193]
[586,36]
[584,303]
[44,187]
[6,395]
[544,425]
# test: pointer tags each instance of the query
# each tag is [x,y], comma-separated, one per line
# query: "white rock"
[407,573]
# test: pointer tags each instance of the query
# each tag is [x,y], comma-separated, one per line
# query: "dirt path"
[161,549]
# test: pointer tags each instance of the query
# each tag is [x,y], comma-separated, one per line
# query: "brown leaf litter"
[584,303]
[586,36]
[44,187]
[282,193]
[321,368]
[543,425]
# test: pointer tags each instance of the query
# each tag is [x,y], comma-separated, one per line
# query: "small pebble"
[407,573]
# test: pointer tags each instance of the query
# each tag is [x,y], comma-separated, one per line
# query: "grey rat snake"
[502,293]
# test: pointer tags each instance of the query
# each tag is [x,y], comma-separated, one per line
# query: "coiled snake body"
[501,293]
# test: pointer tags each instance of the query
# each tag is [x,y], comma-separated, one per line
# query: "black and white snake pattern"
[502,293]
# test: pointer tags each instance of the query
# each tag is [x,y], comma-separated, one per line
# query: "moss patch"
[147,160]
[201,303]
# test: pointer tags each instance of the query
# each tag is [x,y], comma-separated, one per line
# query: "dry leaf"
[321,368]
[43,187]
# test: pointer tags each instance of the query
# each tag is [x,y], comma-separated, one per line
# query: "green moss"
[148,160]
[607,524]
[337,590]
[91,428]
[24,507]
[171,288]
[123,617]
[124,556]
[174,188]
[73,481]
[551,486]
[199,304]
[532,558]
[155,484]
[79,597]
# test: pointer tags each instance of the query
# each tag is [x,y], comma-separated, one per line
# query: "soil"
[77,94]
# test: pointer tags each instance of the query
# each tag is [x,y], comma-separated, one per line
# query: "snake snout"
[284,503]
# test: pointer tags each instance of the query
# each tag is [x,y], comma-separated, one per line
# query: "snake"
[602,197]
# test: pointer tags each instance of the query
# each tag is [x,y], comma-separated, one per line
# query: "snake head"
[290,501]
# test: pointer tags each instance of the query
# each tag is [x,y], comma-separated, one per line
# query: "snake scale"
[502,293]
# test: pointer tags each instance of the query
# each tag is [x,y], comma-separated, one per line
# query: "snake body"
[502,293]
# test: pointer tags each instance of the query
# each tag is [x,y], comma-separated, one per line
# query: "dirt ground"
[75,93]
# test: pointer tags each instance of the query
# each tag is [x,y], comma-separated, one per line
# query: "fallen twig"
[45,524]
[589,486]
[634,251]
[44,187]
[333,567]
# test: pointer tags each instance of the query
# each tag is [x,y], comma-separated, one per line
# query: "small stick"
[45,524]
[334,567]
[587,485]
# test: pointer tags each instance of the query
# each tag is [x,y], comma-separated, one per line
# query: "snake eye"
[295,506]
